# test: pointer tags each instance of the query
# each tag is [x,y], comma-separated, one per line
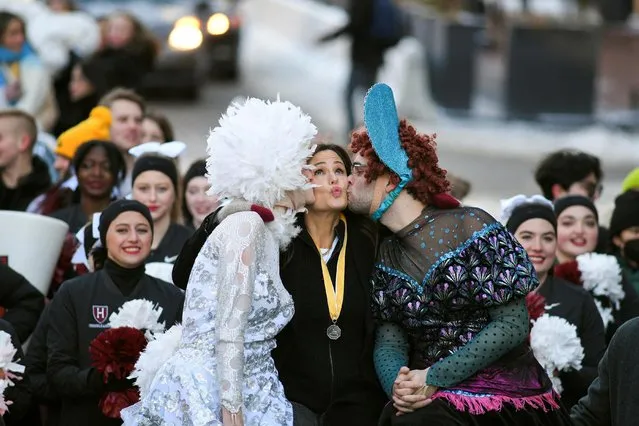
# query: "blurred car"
[199,38]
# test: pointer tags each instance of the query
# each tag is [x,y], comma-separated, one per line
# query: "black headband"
[115,209]
[156,163]
[563,203]
[529,211]
[197,169]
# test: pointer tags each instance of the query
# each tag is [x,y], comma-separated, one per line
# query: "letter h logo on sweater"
[100,315]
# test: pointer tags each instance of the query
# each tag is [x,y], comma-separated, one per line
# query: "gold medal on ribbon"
[335,295]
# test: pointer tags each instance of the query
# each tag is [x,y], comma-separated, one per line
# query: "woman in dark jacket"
[577,234]
[324,356]
[86,84]
[129,53]
[534,225]
[82,306]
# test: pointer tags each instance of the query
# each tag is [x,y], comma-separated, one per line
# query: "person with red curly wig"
[449,290]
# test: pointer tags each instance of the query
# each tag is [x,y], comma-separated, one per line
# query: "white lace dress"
[235,306]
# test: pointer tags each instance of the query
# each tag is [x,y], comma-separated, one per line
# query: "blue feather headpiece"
[382,124]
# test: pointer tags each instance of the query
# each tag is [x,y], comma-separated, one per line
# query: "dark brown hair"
[163,123]
[340,151]
[5,20]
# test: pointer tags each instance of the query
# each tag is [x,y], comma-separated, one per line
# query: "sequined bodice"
[438,278]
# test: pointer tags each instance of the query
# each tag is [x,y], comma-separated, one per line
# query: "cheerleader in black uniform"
[82,306]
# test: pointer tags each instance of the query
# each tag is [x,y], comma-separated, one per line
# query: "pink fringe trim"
[482,404]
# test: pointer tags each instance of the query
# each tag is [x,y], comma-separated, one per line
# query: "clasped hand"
[410,391]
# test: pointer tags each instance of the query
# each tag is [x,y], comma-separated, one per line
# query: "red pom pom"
[569,271]
[81,269]
[114,352]
[444,201]
[265,214]
[64,262]
[112,403]
[536,305]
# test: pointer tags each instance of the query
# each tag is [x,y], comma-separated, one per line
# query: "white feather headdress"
[258,150]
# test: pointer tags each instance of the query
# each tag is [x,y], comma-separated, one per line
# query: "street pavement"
[498,159]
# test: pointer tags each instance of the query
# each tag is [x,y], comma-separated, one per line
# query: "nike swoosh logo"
[171,259]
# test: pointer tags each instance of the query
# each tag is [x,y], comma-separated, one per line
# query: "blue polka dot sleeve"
[507,329]
[391,354]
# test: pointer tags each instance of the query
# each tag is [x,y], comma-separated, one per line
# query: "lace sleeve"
[240,237]
[390,354]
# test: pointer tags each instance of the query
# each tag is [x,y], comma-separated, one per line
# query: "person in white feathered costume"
[217,369]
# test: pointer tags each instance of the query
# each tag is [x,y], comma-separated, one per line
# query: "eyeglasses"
[594,190]
[359,169]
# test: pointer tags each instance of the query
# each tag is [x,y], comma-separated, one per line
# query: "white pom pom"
[556,346]
[601,275]
[7,353]
[8,368]
[140,314]
[556,383]
[4,405]
[155,355]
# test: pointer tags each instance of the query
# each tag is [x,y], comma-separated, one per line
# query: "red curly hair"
[429,182]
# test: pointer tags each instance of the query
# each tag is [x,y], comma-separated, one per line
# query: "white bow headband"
[167,149]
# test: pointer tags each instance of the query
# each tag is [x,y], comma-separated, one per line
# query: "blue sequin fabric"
[439,277]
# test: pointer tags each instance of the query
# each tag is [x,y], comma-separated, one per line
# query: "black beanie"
[529,211]
[563,203]
[626,213]
[156,163]
[118,207]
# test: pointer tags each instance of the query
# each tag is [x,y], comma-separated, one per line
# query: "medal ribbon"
[335,295]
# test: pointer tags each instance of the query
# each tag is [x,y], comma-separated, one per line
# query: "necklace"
[335,295]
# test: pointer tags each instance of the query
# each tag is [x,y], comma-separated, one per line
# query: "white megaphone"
[31,244]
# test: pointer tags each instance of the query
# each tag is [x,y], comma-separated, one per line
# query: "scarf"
[11,58]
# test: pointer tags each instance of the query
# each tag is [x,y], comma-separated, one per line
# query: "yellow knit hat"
[96,127]
[631,181]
